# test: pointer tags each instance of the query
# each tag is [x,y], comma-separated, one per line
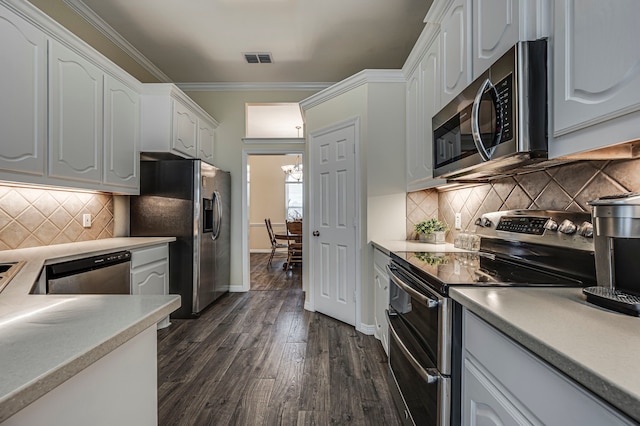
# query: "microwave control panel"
[505,97]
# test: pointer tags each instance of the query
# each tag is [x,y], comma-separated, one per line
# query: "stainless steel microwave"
[498,124]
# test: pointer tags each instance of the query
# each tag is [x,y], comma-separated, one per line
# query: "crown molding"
[101,25]
[437,10]
[252,87]
[350,83]
[427,37]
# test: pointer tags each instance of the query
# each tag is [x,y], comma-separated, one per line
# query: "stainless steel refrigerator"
[190,200]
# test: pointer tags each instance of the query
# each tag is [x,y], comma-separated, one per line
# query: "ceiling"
[311,41]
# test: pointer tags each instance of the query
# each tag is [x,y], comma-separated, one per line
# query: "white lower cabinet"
[150,272]
[505,384]
[381,292]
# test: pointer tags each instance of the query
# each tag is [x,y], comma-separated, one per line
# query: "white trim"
[272,141]
[245,224]
[235,288]
[309,301]
[427,37]
[107,30]
[368,329]
[249,86]
[171,90]
[437,10]
[350,83]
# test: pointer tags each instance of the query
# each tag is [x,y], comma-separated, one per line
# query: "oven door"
[425,312]
[423,391]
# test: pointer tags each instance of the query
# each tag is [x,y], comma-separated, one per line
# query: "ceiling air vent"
[258,58]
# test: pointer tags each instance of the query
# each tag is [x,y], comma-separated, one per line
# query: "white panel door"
[121,133]
[415,129]
[150,279]
[495,30]
[185,130]
[333,202]
[24,99]
[596,62]
[75,113]
[454,34]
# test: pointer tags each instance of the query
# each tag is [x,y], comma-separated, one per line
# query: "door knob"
[316,233]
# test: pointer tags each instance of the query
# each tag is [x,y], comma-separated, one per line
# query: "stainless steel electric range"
[518,248]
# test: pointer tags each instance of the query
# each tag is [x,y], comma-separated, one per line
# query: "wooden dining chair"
[275,245]
[294,251]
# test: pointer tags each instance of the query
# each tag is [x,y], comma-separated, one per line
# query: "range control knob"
[567,227]
[586,230]
[485,222]
[551,225]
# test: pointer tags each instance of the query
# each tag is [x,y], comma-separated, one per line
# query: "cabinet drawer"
[148,255]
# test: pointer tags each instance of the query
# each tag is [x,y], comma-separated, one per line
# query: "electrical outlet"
[86,220]
[458,224]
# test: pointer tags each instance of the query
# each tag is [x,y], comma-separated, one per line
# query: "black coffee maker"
[616,225]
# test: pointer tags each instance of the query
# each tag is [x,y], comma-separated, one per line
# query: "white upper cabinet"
[185,130]
[455,39]
[121,133]
[495,30]
[24,96]
[596,72]
[206,140]
[173,123]
[423,101]
[75,114]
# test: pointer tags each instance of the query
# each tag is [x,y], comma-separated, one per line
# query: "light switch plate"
[458,224]
[86,220]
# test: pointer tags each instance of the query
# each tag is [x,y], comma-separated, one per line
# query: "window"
[273,120]
[293,197]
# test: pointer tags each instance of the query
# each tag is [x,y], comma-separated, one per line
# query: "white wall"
[382,215]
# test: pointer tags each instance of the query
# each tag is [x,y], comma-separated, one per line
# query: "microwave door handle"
[475,120]
[430,375]
[428,302]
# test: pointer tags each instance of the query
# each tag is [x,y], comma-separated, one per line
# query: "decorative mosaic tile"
[35,217]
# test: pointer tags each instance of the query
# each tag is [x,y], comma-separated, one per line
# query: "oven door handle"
[485,153]
[427,301]
[430,375]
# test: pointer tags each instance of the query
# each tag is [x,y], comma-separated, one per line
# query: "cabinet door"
[596,62]
[495,30]
[150,279]
[455,39]
[185,130]
[415,129]
[485,402]
[75,114]
[24,99]
[121,133]
[206,141]
[381,280]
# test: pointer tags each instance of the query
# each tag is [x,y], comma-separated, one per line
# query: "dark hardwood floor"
[258,358]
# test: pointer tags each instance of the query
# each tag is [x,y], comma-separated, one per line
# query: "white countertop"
[388,246]
[596,347]
[47,339]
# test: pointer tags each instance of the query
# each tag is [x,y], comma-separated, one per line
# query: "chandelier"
[294,170]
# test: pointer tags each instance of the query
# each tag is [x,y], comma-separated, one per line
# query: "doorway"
[273,189]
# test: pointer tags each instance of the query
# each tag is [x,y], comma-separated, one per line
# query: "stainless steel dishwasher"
[103,274]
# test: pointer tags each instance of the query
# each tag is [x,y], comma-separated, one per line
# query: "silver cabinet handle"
[475,120]
[428,302]
[430,375]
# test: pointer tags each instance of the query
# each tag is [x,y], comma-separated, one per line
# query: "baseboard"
[368,329]
[238,288]
[308,306]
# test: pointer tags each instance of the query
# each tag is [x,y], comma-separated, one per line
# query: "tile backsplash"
[32,217]
[564,187]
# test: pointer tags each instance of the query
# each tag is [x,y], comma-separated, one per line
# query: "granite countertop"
[47,339]
[596,347]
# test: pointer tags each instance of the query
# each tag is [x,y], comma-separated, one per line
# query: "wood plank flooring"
[258,358]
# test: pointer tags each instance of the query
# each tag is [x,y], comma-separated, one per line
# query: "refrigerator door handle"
[217,215]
